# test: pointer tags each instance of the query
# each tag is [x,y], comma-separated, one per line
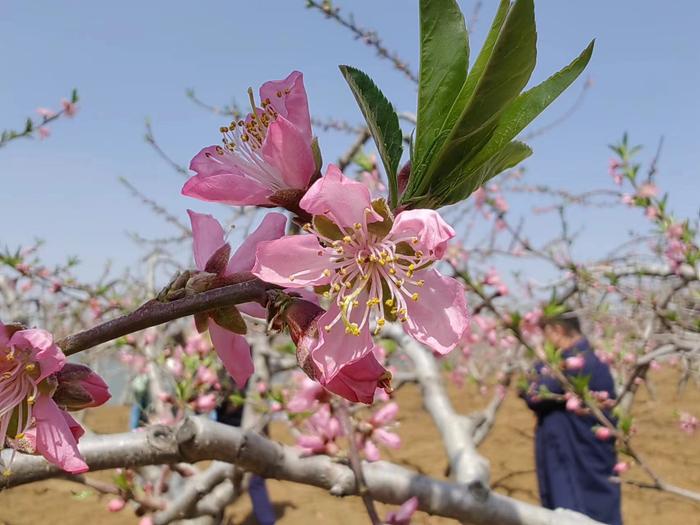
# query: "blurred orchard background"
[94,223]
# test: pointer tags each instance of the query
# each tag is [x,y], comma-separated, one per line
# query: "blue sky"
[131,60]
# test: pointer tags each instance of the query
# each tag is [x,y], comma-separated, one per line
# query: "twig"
[154,313]
[355,462]
[371,38]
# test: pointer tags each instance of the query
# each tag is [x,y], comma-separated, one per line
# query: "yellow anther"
[399,283]
[356,303]
[352,328]
[279,94]
[7,473]
[358,226]
[327,328]
[402,311]
[389,302]
[411,267]
[372,258]
[30,367]
[223,129]
[343,271]
[336,287]
[327,272]
[327,294]
[339,250]
[373,301]
[220,150]
[415,296]
[306,227]
[31,400]
[394,311]
[245,138]
[420,283]
[381,321]
[419,254]
[20,435]
[392,271]
[414,240]
[347,239]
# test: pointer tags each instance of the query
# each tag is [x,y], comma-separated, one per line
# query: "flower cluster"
[371,264]
[37,389]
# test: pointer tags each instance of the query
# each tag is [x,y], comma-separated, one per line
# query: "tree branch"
[154,313]
[198,439]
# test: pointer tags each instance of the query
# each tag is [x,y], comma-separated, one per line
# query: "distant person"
[573,466]
[230,412]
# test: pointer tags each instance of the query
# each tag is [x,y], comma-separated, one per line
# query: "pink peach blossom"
[264,155]
[28,361]
[647,191]
[69,108]
[375,267]
[358,381]
[208,239]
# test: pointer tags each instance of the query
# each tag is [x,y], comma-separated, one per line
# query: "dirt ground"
[675,455]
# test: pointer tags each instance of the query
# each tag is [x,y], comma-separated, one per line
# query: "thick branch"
[198,439]
[466,464]
[154,313]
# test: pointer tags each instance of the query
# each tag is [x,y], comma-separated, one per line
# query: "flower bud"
[603,433]
[79,387]
[574,363]
[200,282]
[116,504]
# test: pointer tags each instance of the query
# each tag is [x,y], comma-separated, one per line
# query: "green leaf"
[382,120]
[505,75]
[444,59]
[509,156]
[528,105]
[480,65]
[506,71]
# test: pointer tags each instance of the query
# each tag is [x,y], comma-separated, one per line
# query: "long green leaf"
[479,66]
[528,105]
[505,75]
[509,156]
[444,59]
[418,182]
[382,120]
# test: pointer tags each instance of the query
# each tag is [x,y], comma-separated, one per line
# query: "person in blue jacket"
[573,466]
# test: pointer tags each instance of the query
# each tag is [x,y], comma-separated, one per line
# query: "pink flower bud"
[79,387]
[385,414]
[573,404]
[116,504]
[621,467]
[603,433]
[574,363]
[205,403]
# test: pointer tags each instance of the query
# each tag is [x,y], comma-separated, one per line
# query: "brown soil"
[675,455]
